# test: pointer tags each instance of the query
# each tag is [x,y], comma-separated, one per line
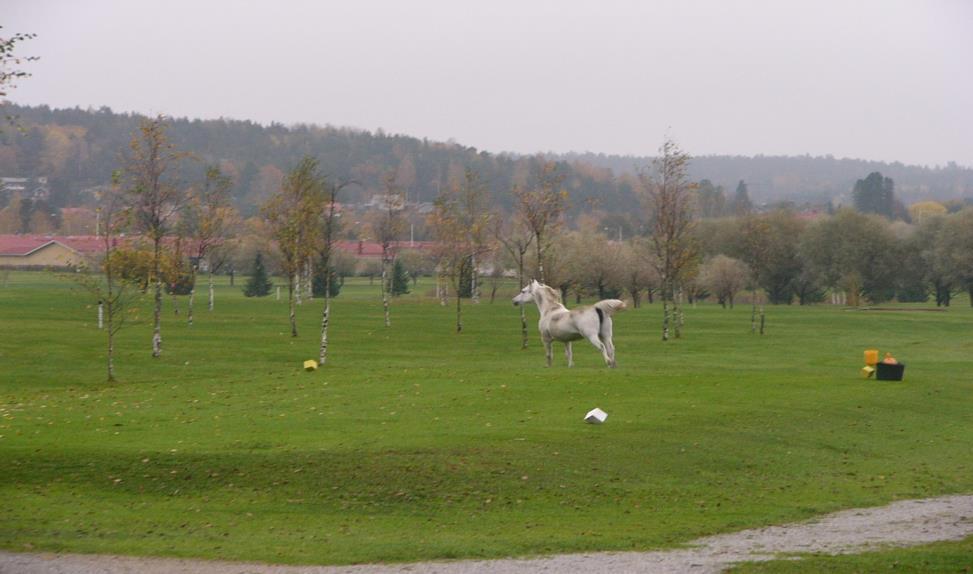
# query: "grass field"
[416,443]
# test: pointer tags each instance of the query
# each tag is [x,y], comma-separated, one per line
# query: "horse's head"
[526,294]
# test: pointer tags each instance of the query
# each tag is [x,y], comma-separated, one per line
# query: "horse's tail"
[609,306]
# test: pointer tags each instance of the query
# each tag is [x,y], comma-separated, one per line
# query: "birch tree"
[516,237]
[206,219]
[541,206]
[109,287]
[388,229]
[669,198]
[293,214]
[330,223]
[461,221]
[156,199]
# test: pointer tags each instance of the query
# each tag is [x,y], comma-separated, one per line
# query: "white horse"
[560,324]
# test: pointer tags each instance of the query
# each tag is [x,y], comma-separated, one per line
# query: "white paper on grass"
[595,416]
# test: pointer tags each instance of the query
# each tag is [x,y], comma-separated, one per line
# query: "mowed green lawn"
[417,443]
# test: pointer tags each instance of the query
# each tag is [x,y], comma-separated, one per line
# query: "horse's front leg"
[549,351]
[569,354]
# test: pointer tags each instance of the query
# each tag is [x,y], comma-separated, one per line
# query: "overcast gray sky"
[886,80]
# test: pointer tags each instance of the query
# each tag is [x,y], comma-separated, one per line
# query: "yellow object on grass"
[867,372]
[310,365]
[871,357]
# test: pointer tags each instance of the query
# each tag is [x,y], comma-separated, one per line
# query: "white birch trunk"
[293,293]
[278,292]
[189,307]
[295,288]
[665,318]
[325,318]
[101,315]
[309,281]
[386,287]
[212,292]
[157,316]
[192,298]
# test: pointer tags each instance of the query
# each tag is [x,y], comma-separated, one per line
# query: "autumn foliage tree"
[329,231]
[673,248]
[541,205]
[388,229]
[461,222]
[293,215]
[109,286]
[155,198]
[206,221]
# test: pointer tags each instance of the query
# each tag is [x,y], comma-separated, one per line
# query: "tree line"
[677,256]
[77,150]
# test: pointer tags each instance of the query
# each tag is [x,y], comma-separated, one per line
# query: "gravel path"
[904,523]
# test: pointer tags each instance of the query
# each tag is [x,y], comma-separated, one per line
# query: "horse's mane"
[555,294]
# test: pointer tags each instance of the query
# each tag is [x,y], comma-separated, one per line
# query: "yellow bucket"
[871,357]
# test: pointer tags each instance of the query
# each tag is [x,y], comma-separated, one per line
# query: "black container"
[886,372]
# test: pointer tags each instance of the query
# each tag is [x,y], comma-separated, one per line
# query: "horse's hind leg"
[569,354]
[610,347]
[606,337]
[594,339]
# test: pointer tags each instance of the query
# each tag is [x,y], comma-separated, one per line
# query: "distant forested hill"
[805,178]
[77,150]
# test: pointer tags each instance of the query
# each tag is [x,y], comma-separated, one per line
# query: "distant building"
[373,249]
[46,251]
[26,187]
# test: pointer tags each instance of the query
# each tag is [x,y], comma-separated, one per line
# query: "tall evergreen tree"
[400,279]
[875,194]
[259,284]
[741,200]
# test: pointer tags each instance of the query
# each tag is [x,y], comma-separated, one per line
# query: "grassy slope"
[941,557]
[416,443]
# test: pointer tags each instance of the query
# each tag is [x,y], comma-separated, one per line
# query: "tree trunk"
[493,293]
[157,310]
[753,311]
[665,318]
[325,317]
[111,323]
[212,292]
[192,296]
[101,314]
[385,292]
[111,350]
[308,281]
[762,319]
[540,262]
[293,290]
[459,312]
[474,292]
[677,315]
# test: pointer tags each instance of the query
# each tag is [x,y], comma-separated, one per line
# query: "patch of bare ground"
[904,523]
